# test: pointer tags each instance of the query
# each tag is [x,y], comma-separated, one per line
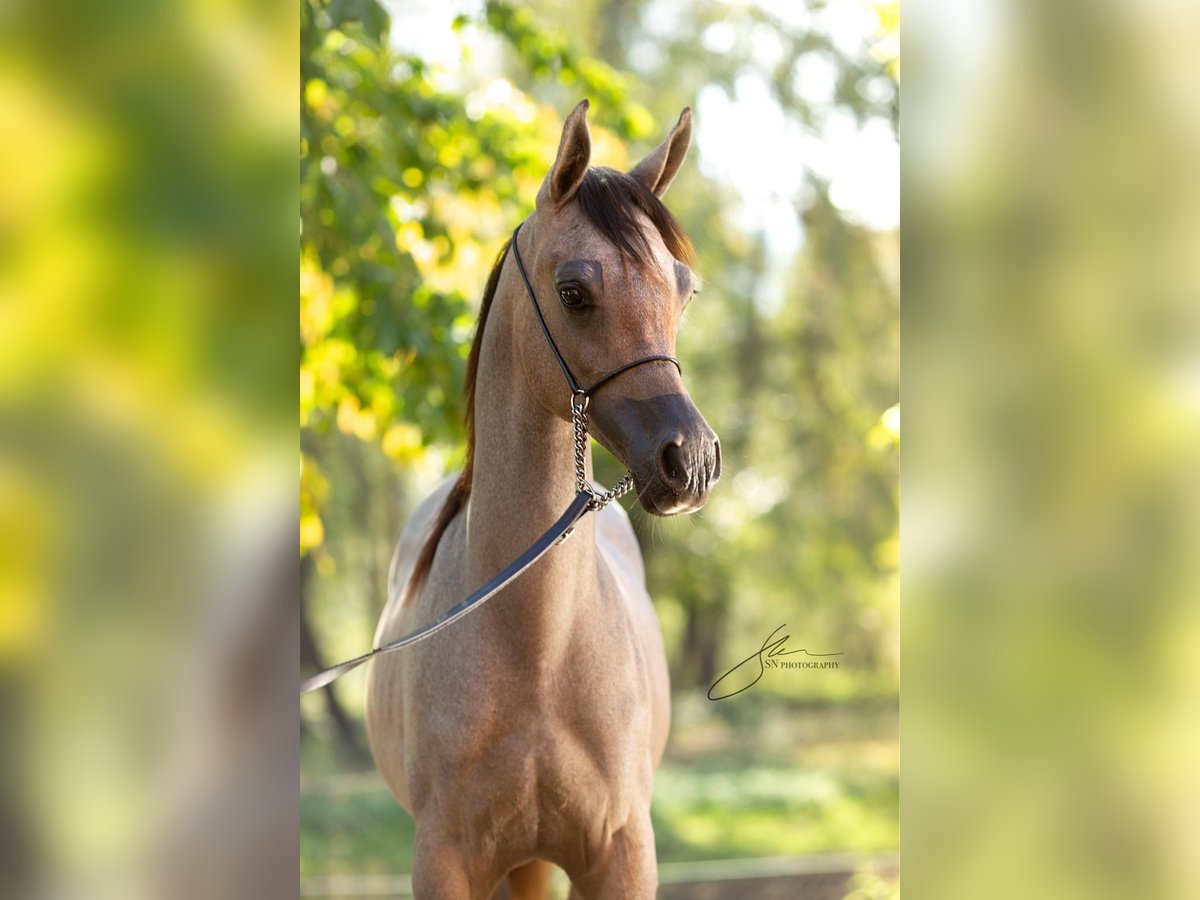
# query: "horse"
[527,735]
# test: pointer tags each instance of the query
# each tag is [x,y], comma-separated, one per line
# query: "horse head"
[612,271]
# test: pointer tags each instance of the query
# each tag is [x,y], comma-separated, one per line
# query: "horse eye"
[571,297]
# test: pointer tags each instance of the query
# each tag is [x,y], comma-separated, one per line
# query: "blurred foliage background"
[424,137]
[148,217]
[1051,494]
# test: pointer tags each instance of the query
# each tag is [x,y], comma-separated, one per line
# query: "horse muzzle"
[673,454]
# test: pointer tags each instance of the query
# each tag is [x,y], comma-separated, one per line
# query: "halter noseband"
[584,394]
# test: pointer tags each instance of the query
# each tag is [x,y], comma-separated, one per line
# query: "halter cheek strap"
[576,391]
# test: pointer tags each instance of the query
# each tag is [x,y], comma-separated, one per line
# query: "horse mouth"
[659,499]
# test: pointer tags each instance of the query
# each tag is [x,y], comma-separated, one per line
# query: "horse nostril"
[716,474]
[671,463]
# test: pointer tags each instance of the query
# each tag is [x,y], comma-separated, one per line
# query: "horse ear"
[571,164]
[658,170]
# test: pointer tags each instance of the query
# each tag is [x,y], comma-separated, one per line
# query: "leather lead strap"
[555,533]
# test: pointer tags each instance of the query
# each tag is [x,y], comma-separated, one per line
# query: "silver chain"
[579,404]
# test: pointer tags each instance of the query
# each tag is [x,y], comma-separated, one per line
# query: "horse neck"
[523,479]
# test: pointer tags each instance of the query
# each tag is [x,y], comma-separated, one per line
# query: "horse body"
[531,729]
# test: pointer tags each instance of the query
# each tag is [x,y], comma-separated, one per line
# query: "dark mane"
[611,200]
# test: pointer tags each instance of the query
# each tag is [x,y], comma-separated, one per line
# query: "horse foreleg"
[443,870]
[626,870]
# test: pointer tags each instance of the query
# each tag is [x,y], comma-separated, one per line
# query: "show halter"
[587,499]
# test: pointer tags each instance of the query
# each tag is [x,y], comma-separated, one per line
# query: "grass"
[359,832]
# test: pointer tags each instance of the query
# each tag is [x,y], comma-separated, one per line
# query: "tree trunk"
[311,660]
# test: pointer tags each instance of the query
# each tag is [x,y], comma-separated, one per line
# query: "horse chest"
[578,716]
[550,784]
